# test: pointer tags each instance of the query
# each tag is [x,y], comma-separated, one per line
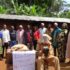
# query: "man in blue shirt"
[55,34]
[12,36]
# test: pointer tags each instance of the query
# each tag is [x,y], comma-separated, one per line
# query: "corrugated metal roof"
[33,18]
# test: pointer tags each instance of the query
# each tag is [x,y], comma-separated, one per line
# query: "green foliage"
[65,14]
[49,8]
[3,10]
[16,7]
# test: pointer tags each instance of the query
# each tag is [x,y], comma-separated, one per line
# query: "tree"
[33,7]
[65,14]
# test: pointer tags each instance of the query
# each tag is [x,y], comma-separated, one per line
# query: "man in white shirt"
[42,29]
[6,37]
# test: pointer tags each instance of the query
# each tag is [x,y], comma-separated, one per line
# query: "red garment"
[28,36]
[37,35]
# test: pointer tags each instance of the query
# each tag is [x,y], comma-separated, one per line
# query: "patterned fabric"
[61,40]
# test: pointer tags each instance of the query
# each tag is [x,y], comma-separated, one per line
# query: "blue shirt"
[13,35]
[55,33]
[1,34]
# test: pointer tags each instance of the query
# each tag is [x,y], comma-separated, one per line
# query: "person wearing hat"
[48,55]
[19,35]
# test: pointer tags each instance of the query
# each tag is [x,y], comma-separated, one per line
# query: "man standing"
[55,34]
[12,36]
[62,41]
[27,37]
[42,29]
[19,35]
[6,37]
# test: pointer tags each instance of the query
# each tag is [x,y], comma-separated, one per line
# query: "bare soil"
[5,66]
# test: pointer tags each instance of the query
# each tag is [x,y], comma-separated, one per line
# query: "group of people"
[31,37]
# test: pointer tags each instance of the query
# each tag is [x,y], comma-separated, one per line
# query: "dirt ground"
[4,66]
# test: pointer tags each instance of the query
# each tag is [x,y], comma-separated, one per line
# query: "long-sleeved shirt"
[19,36]
[6,35]
[13,35]
[42,31]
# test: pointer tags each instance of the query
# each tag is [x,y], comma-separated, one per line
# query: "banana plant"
[16,7]
[3,10]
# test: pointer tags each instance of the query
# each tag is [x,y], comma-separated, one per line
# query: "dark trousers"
[35,44]
[5,46]
[29,45]
[55,51]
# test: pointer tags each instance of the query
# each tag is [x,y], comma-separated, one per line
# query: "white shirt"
[6,35]
[42,31]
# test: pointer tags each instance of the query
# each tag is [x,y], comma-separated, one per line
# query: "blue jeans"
[12,43]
